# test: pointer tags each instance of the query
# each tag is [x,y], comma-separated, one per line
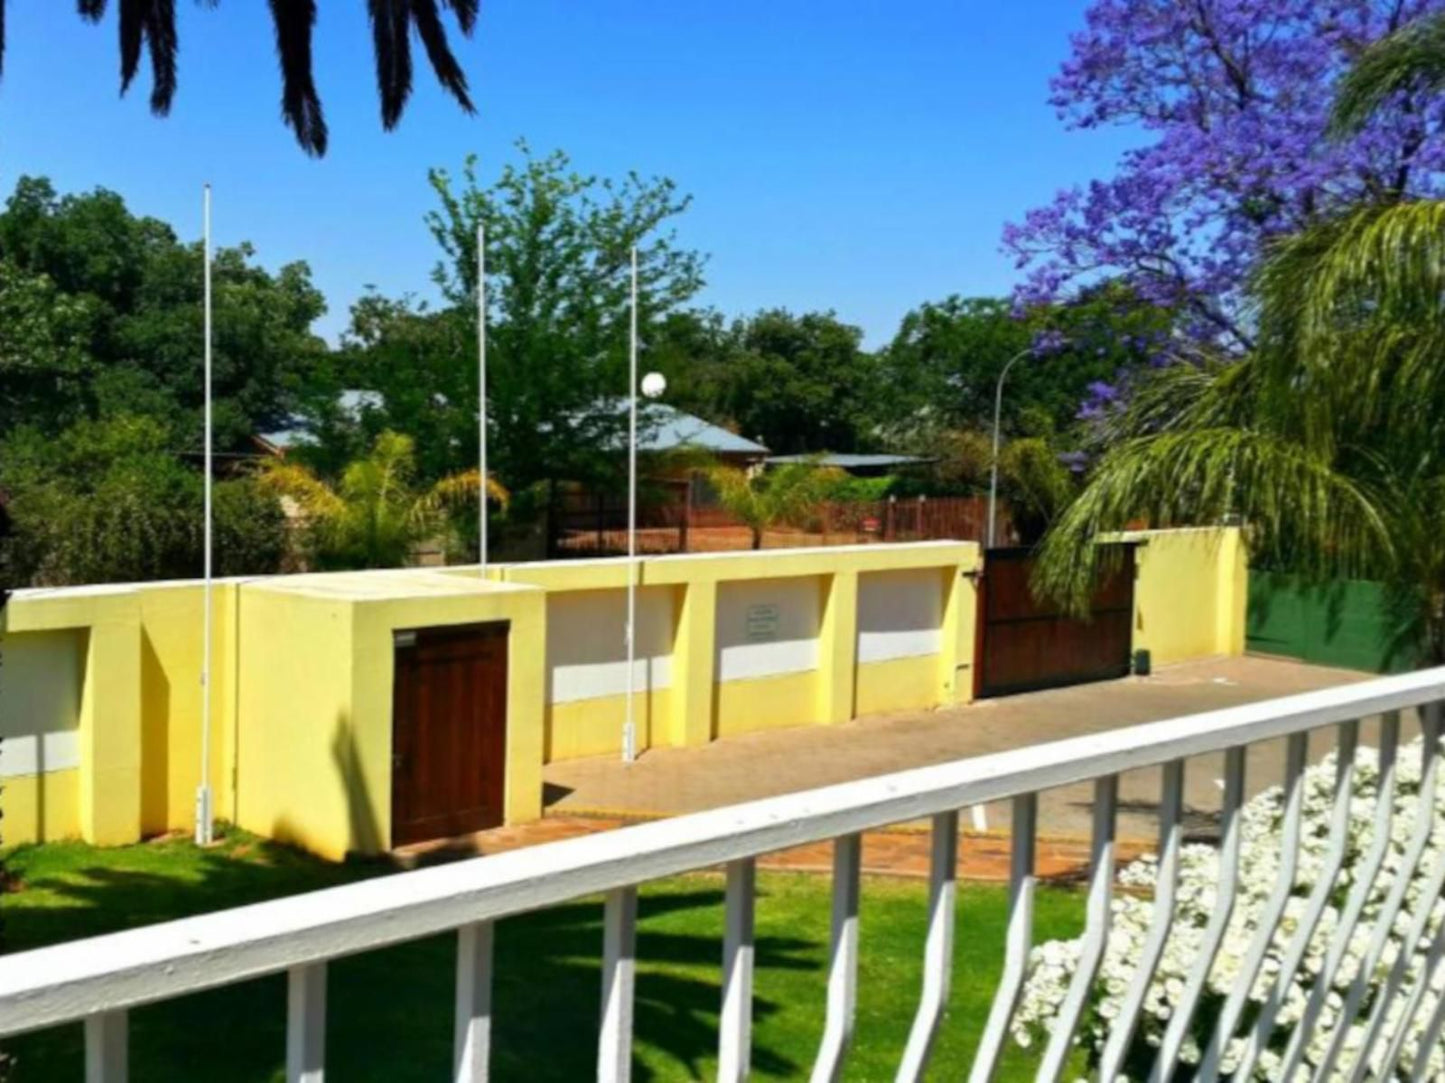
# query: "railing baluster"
[306,1023]
[1166,890]
[1096,931]
[619,960]
[1347,742]
[842,961]
[107,1052]
[1183,1013]
[1430,1038]
[1433,958]
[472,1045]
[938,949]
[1024,825]
[735,1024]
[1384,920]
[1363,884]
[1296,756]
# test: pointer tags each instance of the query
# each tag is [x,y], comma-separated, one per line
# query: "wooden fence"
[671,519]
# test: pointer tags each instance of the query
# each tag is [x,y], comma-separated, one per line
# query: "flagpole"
[482,396]
[203,792]
[629,730]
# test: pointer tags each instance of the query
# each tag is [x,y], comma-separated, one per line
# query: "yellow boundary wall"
[826,683]
[302,671]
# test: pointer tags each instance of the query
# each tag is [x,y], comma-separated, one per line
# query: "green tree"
[788,495]
[1326,440]
[378,513]
[942,367]
[558,246]
[108,307]
[797,383]
[109,501]
[800,383]
[45,361]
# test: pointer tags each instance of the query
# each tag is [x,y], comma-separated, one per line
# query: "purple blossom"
[1049,342]
[1233,96]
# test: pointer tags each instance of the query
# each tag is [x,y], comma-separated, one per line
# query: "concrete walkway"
[667,782]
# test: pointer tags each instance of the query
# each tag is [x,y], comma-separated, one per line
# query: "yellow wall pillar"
[837,646]
[110,727]
[694,664]
[1231,610]
[958,633]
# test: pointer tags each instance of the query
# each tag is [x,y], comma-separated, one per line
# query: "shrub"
[1053,964]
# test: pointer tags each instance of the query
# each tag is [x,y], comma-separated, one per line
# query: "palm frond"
[1412,58]
[460,490]
[1351,315]
[1291,502]
[91,10]
[285,478]
[160,31]
[390,33]
[434,38]
[466,13]
[294,21]
[132,37]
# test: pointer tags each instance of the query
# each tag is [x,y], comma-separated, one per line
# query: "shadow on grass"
[389,1012]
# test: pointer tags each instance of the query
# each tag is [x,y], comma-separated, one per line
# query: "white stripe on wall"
[586,651]
[899,614]
[767,627]
[36,754]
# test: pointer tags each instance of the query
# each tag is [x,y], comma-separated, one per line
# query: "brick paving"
[669,781]
[900,851]
[603,794]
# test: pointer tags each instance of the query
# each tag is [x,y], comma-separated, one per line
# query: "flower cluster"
[1262,821]
[1233,99]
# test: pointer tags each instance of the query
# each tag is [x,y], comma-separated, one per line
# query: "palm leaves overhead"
[149,27]
[1412,58]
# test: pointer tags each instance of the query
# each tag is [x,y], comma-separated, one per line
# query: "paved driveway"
[672,781]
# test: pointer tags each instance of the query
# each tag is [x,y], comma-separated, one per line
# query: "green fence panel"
[1346,623]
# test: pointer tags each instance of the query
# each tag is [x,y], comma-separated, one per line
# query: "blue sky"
[860,156]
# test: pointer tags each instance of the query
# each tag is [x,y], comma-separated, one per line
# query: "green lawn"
[390,1012]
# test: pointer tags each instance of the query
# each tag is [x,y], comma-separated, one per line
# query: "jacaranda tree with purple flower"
[1233,99]
[1325,438]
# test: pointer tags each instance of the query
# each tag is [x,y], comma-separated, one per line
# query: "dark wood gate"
[1026,644]
[449,731]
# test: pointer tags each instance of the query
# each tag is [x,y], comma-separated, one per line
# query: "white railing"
[100,979]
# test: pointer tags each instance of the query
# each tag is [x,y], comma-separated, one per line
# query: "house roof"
[851,462]
[661,427]
[353,402]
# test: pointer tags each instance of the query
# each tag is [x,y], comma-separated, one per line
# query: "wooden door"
[1028,644]
[449,731]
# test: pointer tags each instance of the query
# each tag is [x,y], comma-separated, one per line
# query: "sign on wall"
[762,623]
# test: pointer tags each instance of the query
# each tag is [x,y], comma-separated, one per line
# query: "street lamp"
[993,467]
[652,386]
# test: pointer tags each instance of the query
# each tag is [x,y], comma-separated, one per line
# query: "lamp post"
[205,812]
[482,400]
[652,385]
[993,466]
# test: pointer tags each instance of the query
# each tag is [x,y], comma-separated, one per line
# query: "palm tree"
[786,495]
[376,516]
[150,26]
[1328,441]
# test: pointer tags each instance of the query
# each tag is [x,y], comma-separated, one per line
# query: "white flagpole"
[482,395]
[629,729]
[203,792]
